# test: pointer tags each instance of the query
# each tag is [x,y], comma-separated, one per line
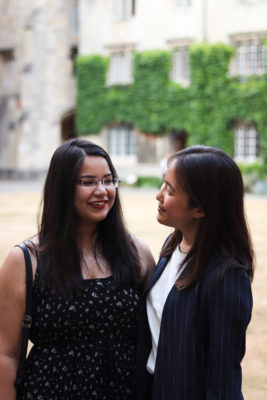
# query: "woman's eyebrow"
[94,176]
[168,184]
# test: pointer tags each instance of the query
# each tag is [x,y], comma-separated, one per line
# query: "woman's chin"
[160,220]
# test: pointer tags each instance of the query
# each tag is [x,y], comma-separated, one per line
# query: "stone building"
[40,38]
[38,41]
[118,28]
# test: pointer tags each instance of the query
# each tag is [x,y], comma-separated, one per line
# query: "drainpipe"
[204,20]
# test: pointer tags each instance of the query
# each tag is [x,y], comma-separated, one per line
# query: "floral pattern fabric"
[83,348]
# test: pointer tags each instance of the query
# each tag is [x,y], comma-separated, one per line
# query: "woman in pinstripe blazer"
[199,299]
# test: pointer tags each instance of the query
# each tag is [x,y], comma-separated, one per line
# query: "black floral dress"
[83,348]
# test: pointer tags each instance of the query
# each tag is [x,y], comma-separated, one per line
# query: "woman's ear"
[199,213]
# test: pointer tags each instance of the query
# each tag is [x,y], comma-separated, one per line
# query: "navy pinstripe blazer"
[202,338]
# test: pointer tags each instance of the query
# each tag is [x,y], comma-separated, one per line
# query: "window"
[74,21]
[73,55]
[250,57]
[248,1]
[180,66]
[182,3]
[121,68]
[122,141]
[6,68]
[123,9]
[6,6]
[246,145]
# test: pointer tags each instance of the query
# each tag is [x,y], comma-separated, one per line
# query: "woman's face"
[173,208]
[92,204]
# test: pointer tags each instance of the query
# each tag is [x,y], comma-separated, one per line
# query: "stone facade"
[117,27]
[157,24]
[40,38]
[37,84]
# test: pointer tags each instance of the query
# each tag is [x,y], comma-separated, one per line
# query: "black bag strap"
[27,319]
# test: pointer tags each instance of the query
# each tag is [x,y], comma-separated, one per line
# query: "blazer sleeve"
[229,313]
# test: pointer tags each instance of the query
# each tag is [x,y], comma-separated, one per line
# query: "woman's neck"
[93,264]
[187,243]
[86,238]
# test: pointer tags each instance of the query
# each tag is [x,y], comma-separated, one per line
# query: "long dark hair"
[58,249]
[212,180]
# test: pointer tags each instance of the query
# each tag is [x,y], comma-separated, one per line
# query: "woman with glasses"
[88,278]
[199,299]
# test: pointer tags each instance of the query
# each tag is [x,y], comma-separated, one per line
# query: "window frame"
[251,54]
[246,142]
[180,71]
[6,7]
[184,3]
[122,141]
[123,9]
[120,71]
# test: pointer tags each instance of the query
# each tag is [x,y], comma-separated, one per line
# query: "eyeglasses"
[92,183]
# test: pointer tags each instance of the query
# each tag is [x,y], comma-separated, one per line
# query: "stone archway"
[68,125]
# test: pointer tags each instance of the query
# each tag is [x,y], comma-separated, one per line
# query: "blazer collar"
[158,271]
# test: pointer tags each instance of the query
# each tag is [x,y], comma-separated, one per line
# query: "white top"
[156,299]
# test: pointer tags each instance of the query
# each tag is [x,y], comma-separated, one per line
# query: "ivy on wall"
[91,94]
[206,110]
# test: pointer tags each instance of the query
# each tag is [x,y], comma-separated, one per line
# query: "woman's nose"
[159,195]
[100,187]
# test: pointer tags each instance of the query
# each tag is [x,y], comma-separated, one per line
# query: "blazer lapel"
[158,271]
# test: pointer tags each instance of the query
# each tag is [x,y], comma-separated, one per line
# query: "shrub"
[149,181]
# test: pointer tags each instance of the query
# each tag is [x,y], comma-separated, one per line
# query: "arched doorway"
[68,126]
[177,140]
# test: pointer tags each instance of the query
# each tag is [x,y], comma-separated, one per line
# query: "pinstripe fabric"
[202,337]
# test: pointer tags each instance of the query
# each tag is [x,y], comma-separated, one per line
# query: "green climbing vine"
[206,110]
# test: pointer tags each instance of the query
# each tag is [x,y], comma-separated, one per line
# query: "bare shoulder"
[13,261]
[12,301]
[12,286]
[142,247]
[147,260]
[12,271]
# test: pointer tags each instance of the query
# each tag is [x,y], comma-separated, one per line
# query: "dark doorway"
[68,126]
[178,140]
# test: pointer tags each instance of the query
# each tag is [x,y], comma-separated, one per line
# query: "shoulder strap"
[27,319]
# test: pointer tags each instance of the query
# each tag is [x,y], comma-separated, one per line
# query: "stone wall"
[43,88]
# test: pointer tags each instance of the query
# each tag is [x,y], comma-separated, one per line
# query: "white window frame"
[74,20]
[122,141]
[262,57]
[246,142]
[180,66]
[6,7]
[183,3]
[120,68]
[250,57]
[241,59]
[123,9]
[250,2]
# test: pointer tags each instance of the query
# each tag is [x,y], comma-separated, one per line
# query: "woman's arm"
[146,259]
[12,307]
[230,307]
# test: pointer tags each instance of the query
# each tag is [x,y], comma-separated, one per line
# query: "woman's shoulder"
[147,262]
[14,263]
[225,272]
[12,274]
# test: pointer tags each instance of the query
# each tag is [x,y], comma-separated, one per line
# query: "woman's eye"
[108,182]
[88,183]
[167,189]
